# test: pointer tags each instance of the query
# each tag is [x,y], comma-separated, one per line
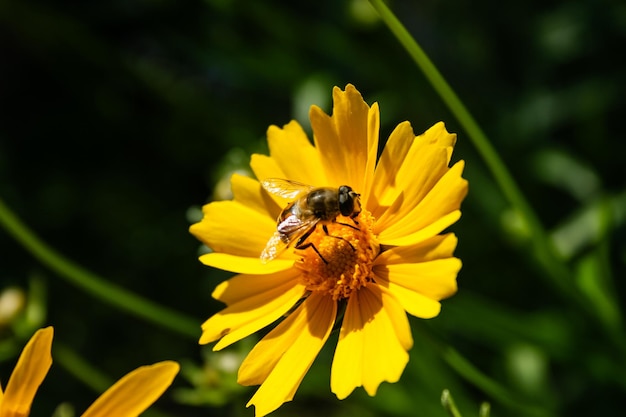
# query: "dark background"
[118,119]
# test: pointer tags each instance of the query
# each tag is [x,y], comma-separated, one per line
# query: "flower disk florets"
[346,249]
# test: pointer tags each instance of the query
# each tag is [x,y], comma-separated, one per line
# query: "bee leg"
[304,237]
[349,225]
[339,237]
[312,246]
[300,245]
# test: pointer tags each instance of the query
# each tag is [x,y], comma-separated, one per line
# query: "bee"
[309,207]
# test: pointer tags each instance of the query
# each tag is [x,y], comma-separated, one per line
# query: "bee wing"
[275,246]
[288,231]
[286,189]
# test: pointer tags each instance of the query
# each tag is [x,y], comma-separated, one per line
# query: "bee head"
[349,204]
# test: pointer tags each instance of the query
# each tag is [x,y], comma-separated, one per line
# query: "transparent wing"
[275,246]
[288,231]
[286,189]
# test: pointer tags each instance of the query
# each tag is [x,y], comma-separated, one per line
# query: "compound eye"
[346,200]
[344,194]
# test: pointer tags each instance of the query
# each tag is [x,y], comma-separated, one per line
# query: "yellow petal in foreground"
[29,373]
[135,392]
[251,314]
[242,287]
[373,343]
[282,358]
[224,219]
[245,264]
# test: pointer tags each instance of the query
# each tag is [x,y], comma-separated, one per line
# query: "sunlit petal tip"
[427,310]
[205,339]
[439,133]
[291,151]
[29,373]
[43,338]
[345,139]
[135,392]
[348,93]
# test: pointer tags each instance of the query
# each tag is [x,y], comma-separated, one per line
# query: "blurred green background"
[119,119]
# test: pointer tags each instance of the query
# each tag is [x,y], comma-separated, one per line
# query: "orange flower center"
[339,256]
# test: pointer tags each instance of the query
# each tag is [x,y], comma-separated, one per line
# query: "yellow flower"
[128,397]
[369,268]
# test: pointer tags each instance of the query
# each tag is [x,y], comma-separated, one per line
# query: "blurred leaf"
[594,279]
[561,170]
[590,225]
[527,367]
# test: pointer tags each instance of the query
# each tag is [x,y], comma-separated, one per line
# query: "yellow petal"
[373,132]
[384,187]
[435,279]
[406,225]
[265,167]
[295,154]
[29,373]
[408,272]
[348,140]
[373,343]
[397,318]
[135,392]
[251,314]
[244,286]
[414,303]
[249,193]
[426,233]
[406,184]
[247,265]
[282,358]
[437,247]
[230,227]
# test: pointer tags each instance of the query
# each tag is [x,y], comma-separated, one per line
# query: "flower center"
[339,255]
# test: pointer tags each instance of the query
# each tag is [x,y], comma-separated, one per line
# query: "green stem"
[448,404]
[78,367]
[542,248]
[94,284]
